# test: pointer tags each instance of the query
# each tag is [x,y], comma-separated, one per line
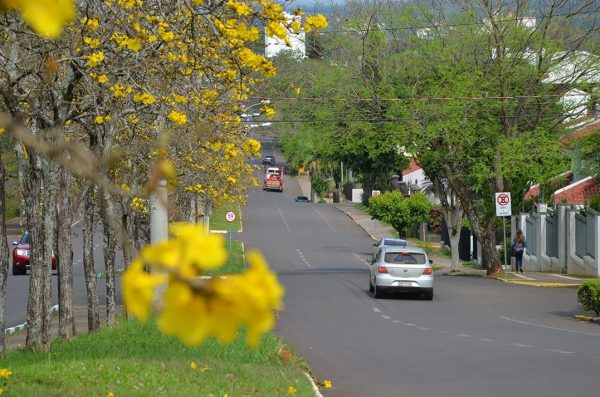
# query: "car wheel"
[428,296]
[16,271]
[377,292]
[371,289]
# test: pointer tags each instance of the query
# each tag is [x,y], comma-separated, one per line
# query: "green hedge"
[588,295]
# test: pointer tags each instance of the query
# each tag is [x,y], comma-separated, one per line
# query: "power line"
[418,98]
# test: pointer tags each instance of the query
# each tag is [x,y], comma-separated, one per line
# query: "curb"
[540,284]
[21,327]
[591,319]
[314,385]
[374,237]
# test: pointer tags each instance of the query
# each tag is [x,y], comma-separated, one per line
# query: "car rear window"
[395,243]
[407,258]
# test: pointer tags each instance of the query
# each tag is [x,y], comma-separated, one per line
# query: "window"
[406,258]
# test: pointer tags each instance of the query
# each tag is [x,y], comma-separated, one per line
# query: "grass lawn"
[217,219]
[235,262]
[132,359]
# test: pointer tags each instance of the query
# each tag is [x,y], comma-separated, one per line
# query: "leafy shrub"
[588,295]
[594,202]
[319,185]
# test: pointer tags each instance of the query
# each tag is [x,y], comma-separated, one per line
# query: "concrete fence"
[562,240]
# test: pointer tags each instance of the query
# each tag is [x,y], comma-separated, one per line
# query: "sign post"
[230,217]
[503,209]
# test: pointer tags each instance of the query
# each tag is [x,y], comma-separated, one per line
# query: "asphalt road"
[478,337]
[18,286]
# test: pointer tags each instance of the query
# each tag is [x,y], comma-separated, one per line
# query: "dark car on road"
[21,254]
[301,199]
[268,160]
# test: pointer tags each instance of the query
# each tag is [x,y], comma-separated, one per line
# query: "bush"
[588,295]
[594,202]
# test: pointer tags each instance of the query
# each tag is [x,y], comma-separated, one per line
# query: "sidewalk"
[377,230]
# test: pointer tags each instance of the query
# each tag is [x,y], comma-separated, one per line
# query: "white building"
[274,45]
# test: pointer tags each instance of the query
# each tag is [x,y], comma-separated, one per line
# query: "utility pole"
[159,217]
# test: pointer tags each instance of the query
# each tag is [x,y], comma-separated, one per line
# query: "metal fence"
[552,236]
[563,240]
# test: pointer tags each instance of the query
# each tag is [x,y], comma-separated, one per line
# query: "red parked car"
[21,254]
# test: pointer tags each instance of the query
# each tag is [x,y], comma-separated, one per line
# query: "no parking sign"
[503,204]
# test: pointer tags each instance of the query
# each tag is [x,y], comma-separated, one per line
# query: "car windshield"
[406,258]
[25,239]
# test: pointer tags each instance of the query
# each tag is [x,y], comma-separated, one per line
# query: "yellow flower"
[269,111]
[110,394]
[193,365]
[1,130]
[241,9]
[291,391]
[5,373]
[134,44]
[138,289]
[95,58]
[91,23]
[327,384]
[99,120]
[92,43]
[315,22]
[102,79]
[275,29]
[177,117]
[145,98]
[46,17]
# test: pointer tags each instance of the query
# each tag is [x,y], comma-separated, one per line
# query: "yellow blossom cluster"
[5,373]
[177,117]
[144,97]
[95,58]
[138,204]
[194,308]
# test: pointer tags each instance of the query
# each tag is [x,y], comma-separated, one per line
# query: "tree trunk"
[453,216]
[35,225]
[66,319]
[88,262]
[109,248]
[4,253]
[49,193]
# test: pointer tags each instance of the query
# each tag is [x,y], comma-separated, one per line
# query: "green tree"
[590,153]
[400,212]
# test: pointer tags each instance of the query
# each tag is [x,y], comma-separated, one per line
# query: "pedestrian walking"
[517,249]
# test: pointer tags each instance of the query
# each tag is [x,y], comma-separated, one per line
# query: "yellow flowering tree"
[132,92]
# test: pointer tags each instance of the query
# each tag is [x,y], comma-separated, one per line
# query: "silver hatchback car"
[401,269]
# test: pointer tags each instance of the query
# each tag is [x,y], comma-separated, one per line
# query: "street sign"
[503,204]
[230,216]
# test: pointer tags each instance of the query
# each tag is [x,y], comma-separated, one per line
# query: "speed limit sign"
[230,216]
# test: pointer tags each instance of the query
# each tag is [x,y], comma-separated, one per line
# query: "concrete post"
[159,217]
[597,244]
[562,238]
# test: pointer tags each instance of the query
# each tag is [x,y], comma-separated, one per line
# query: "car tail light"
[381,269]
[428,270]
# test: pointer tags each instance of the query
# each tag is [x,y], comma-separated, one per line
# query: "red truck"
[273,178]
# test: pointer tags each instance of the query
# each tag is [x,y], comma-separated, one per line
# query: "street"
[17,287]
[478,337]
